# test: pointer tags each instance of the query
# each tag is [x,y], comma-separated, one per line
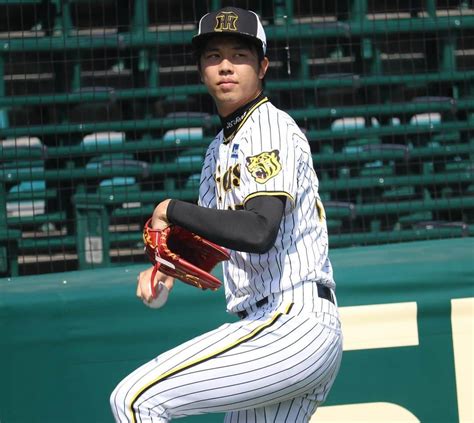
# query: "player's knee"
[117,401]
[123,409]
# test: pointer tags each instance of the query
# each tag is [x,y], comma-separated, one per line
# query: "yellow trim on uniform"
[192,363]
[269,194]
[247,115]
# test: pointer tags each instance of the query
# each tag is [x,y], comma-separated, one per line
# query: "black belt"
[323,292]
[243,314]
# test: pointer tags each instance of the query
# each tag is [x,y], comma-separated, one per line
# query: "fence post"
[92,236]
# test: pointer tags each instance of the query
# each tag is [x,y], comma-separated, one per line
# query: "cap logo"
[226,21]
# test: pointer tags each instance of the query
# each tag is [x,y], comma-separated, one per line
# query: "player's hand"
[143,283]
[158,219]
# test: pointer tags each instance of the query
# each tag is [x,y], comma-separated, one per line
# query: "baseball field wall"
[67,339]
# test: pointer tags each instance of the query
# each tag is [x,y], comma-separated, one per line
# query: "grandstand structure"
[102,116]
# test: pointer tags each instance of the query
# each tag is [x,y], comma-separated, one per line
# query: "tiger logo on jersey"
[264,166]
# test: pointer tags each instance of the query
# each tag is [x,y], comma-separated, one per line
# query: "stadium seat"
[377,168]
[29,199]
[22,157]
[117,163]
[22,148]
[340,209]
[399,193]
[192,182]
[384,91]
[426,119]
[446,138]
[99,139]
[183,135]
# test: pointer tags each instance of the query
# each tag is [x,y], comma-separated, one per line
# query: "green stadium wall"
[67,339]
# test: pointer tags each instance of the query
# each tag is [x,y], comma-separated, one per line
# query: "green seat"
[102,139]
[357,145]
[446,138]
[443,227]
[32,202]
[183,135]
[399,193]
[58,217]
[459,165]
[339,209]
[377,168]
[382,237]
[121,186]
[333,225]
[412,218]
[4,121]
[119,162]
[426,119]
[344,172]
[22,148]
[47,244]
[117,181]
[354,123]
[193,181]
[414,205]
[348,124]
[138,212]
[192,155]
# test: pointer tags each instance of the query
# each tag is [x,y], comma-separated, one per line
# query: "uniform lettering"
[229,180]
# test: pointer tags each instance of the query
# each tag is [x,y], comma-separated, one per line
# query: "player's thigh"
[296,410]
[238,366]
[261,365]
[163,363]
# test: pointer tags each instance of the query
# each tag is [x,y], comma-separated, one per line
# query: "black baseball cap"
[231,20]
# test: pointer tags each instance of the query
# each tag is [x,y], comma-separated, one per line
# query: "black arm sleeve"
[251,230]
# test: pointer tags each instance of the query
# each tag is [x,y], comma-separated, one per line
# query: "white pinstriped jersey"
[269,155]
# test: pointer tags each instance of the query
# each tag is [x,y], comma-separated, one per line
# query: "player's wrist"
[169,210]
[159,218]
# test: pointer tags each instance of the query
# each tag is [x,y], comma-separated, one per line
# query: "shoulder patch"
[264,166]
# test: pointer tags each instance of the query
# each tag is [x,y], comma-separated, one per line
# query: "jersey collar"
[232,123]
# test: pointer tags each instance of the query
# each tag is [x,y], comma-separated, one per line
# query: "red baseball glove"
[184,255]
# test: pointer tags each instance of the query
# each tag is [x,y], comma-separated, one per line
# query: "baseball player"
[259,198]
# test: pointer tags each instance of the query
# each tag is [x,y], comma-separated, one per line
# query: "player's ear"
[200,71]
[197,58]
[263,67]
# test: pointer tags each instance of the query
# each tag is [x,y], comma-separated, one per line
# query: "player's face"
[231,72]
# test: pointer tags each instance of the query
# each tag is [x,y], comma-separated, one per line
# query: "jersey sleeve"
[207,184]
[270,159]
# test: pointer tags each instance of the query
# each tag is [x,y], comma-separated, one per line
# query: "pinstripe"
[164,376]
[289,409]
[277,258]
[299,331]
[293,393]
[151,367]
[313,237]
[255,397]
[286,370]
[256,403]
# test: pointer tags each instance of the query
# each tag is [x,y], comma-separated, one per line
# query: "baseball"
[161,296]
